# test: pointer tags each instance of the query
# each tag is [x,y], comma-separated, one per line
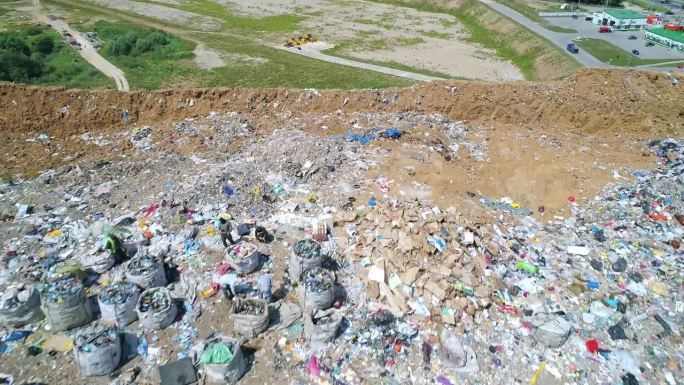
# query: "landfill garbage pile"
[241,251]
[61,289]
[250,308]
[94,337]
[154,301]
[144,265]
[117,293]
[317,280]
[307,249]
[419,284]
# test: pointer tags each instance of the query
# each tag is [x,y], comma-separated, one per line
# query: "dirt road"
[312,53]
[87,51]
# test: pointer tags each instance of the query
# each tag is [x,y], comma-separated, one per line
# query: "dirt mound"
[538,142]
[593,100]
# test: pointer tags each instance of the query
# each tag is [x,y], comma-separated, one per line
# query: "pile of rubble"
[396,291]
[425,261]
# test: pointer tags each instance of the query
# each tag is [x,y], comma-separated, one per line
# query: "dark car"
[588,18]
[574,16]
[632,37]
[636,52]
[650,44]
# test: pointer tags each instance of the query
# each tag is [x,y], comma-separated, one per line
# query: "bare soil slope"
[544,140]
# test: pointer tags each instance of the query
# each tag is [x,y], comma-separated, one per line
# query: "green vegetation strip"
[37,55]
[244,24]
[249,62]
[611,54]
[533,14]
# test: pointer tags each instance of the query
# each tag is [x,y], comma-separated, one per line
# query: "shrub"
[14,44]
[45,45]
[16,67]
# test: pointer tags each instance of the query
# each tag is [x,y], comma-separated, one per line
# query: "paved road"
[586,29]
[351,63]
[87,51]
[559,39]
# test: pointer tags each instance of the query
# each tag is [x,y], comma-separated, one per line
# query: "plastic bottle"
[142,348]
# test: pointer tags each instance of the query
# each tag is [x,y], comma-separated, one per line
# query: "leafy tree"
[16,67]
[151,42]
[14,44]
[123,45]
[34,30]
[45,45]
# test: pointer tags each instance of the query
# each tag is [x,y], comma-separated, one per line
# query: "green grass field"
[533,14]
[611,54]
[256,65]
[250,63]
[45,59]
[241,24]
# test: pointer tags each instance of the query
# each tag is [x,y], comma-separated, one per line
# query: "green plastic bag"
[216,354]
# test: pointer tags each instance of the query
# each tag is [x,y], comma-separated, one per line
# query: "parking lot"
[586,29]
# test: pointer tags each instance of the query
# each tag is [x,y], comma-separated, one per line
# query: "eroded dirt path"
[87,51]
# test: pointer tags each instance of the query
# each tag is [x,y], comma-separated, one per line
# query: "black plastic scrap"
[667,330]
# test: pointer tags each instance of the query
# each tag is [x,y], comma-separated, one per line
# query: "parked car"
[574,16]
[604,29]
[635,52]
[588,18]
[650,44]
[572,48]
[632,37]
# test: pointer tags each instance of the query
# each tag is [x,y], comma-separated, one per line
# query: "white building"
[620,19]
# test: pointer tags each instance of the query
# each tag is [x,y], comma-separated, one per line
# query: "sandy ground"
[369,31]
[207,58]
[454,58]
[404,31]
[168,14]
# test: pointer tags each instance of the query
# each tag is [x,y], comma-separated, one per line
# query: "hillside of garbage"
[450,233]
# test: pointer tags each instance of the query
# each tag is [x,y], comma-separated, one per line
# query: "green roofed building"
[667,38]
[620,19]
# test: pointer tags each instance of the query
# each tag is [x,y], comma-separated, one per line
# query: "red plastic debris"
[572,199]
[592,346]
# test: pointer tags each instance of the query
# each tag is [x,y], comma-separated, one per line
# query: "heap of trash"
[397,291]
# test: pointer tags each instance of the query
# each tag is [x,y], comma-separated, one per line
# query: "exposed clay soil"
[545,141]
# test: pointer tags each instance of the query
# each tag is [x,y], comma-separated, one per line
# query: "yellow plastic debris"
[60,343]
[54,233]
[211,230]
[658,288]
[535,376]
